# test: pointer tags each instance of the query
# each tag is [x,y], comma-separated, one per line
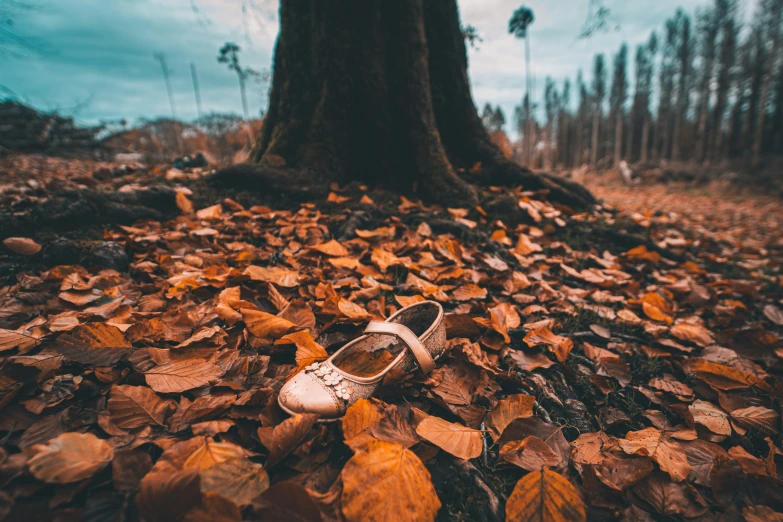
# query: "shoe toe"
[304,394]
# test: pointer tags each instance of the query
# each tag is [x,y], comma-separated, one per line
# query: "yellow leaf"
[384,482]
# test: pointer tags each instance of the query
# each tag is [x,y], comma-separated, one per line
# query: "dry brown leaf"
[275,274]
[10,339]
[757,417]
[706,414]
[529,362]
[179,376]
[694,333]
[307,350]
[669,384]
[721,376]
[284,437]
[774,314]
[530,453]
[128,468]
[459,440]
[71,457]
[289,501]
[620,473]
[383,259]
[559,345]
[167,495]
[22,245]
[214,508]
[208,452]
[468,292]
[654,443]
[237,479]
[545,496]
[384,481]
[94,344]
[137,406]
[358,422]
[393,427]
[266,326]
[332,248]
[504,317]
[760,513]
[511,408]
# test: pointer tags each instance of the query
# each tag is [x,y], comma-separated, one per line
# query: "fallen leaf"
[284,437]
[179,376]
[694,333]
[71,457]
[266,326]
[653,443]
[10,339]
[167,495]
[307,350]
[94,344]
[137,406]
[384,480]
[277,275]
[560,346]
[509,409]
[545,496]
[757,417]
[22,245]
[504,317]
[705,414]
[359,420]
[237,479]
[332,248]
[530,453]
[774,314]
[460,441]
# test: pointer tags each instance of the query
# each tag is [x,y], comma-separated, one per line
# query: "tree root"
[73,209]
[268,179]
[563,191]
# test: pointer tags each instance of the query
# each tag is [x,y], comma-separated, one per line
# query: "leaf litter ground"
[617,365]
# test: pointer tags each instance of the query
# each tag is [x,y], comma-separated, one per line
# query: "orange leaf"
[511,408]
[307,350]
[385,481]
[460,441]
[559,345]
[265,325]
[545,496]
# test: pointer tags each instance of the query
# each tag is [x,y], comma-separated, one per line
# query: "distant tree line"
[719,89]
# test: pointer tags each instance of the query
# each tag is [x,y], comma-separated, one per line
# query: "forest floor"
[623,364]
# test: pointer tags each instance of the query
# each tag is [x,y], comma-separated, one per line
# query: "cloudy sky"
[94,59]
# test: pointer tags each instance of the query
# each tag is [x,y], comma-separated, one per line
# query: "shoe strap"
[407,336]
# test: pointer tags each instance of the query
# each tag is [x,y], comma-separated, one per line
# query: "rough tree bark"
[378,92]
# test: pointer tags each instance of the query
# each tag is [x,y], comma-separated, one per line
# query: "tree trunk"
[618,138]
[377,92]
[767,83]
[645,139]
[594,143]
[578,140]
